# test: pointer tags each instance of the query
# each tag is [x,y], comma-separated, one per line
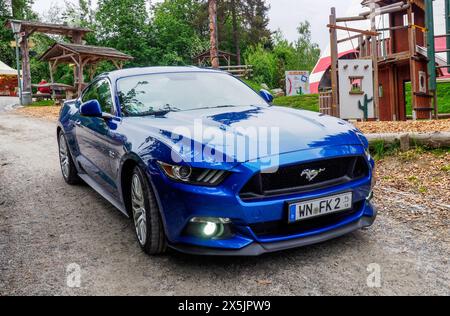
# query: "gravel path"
[6,102]
[46,225]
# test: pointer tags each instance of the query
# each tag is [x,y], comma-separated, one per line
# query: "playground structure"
[74,53]
[400,43]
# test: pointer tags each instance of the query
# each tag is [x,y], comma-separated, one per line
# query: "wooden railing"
[384,47]
[326,103]
[242,71]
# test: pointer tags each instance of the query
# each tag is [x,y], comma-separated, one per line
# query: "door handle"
[78,123]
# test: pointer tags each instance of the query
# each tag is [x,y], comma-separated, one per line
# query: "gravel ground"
[46,225]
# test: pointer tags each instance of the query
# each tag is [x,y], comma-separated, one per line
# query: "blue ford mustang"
[204,165]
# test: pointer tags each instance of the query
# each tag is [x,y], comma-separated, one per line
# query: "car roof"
[117,74]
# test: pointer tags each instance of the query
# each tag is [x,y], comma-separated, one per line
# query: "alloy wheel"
[64,156]
[138,206]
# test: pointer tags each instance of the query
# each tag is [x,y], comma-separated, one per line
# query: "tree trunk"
[236,38]
[432,140]
[213,33]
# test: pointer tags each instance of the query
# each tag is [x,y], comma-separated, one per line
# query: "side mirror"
[266,95]
[91,108]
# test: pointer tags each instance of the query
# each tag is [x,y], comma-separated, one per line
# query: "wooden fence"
[326,103]
[243,71]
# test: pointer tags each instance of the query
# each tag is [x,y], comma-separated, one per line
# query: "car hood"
[287,129]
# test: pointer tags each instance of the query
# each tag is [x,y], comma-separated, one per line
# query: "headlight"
[197,176]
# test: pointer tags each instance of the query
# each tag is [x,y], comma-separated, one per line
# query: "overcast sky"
[284,15]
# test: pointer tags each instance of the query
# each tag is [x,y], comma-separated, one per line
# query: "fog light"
[209,228]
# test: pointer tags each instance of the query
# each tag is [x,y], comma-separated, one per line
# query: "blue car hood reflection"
[297,130]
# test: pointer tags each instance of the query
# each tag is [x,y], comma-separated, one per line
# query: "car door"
[93,136]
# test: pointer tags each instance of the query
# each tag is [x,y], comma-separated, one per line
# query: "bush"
[264,65]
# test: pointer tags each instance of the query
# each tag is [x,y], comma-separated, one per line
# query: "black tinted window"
[90,94]
[104,96]
[101,92]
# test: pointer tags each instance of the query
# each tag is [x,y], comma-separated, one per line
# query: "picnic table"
[55,88]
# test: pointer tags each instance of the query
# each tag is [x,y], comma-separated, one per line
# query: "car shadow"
[306,252]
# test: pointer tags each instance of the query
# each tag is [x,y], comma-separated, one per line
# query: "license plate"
[323,206]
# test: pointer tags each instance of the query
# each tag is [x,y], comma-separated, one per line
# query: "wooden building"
[400,60]
[83,57]
[398,44]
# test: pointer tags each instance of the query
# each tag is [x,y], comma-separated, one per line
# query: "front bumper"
[179,203]
[257,248]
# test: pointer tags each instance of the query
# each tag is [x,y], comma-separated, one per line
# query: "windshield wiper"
[161,112]
[214,107]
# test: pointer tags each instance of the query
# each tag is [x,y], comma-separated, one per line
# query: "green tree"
[21,10]
[265,64]
[179,31]
[6,36]
[271,62]
[307,52]
[256,21]
[125,26]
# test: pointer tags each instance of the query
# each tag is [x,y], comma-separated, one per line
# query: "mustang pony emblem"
[311,174]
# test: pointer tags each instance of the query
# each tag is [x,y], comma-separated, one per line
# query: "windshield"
[162,93]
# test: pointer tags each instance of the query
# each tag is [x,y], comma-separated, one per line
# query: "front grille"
[289,179]
[283,228]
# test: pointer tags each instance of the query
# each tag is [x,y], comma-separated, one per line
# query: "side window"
[90,94]
[104,96]
[101,92]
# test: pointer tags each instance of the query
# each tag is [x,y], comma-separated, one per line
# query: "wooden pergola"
[83,57]
[205,57]
[28,28]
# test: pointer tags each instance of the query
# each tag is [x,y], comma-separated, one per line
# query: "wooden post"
[77,37]
[236,37]
[80,75]
[52,80]
[213,33]
[412,52]
[374,52]
[334,60]
[26,70]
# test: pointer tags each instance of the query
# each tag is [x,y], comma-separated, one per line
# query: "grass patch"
[43,103]
[308,102]
[440,152]
[443,96]
[379,149]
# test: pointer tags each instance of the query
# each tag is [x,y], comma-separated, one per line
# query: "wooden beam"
[352,30]
[351,19]
[75,61]
[26,68]
[349,38]
[334,60]
[374,53]
[80,76]
[61,57]
[412,52]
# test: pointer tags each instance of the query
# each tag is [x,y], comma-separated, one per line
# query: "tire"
[68,169]
[146,216]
